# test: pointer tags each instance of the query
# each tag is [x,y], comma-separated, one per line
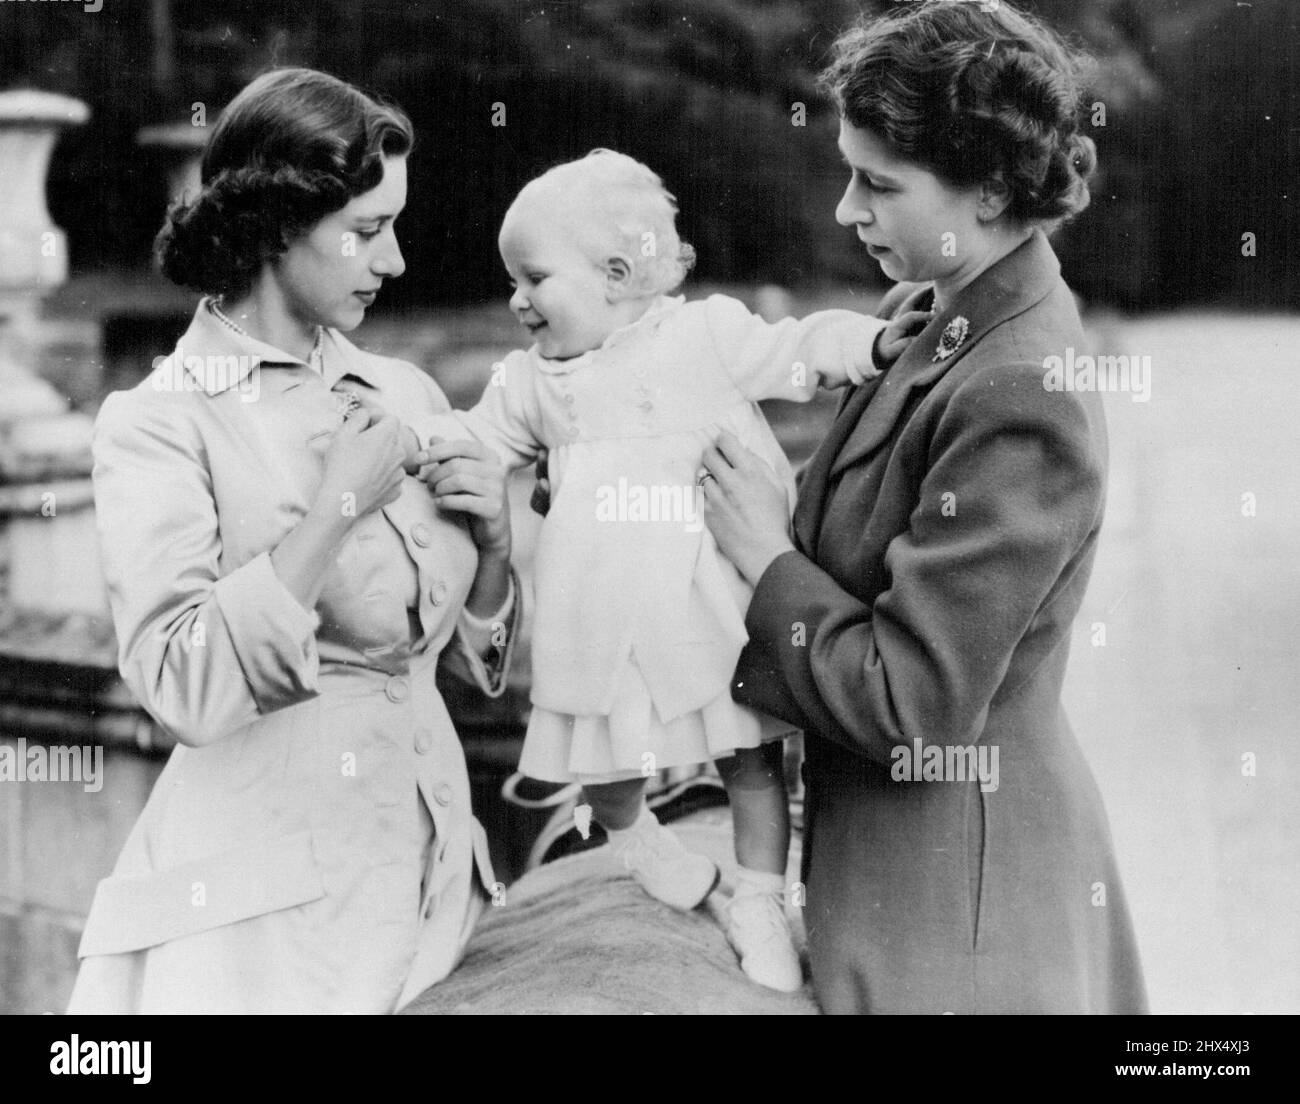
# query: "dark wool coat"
[945,530]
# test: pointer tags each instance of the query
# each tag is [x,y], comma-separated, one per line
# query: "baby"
[639,619]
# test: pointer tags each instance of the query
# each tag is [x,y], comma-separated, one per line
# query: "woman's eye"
[870,184]
[367,235]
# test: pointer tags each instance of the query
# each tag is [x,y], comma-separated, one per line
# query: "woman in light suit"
[918,622]
[283,587]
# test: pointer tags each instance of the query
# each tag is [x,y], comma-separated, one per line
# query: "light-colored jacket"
[311,846]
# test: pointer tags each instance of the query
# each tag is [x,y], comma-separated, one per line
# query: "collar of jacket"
[1007,288]
[218,358]
[662,306]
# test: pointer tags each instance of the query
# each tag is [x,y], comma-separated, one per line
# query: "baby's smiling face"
[561,293]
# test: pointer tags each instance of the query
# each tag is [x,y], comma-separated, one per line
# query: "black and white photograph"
[673,507]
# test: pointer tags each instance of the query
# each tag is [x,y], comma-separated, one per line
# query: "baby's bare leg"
[760,809]
[615,805]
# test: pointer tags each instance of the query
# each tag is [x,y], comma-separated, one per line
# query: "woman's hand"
[745,507]
[363,466]
[410,443]
[466,476]
[363,471]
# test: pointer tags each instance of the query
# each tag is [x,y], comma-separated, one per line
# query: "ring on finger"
[707,475]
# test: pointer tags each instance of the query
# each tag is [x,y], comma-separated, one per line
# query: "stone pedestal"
[48,554]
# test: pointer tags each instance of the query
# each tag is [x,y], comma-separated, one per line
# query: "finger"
[468,504]
[713,461]
[461,483]
[355,422]
[908,324]
[440,451]
[728,444]
[386,424]
[369,403]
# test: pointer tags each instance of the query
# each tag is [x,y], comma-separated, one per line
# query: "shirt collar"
[219,358]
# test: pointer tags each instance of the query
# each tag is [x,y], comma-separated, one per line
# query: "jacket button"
[438,593]
[422,535]
[573,431]
[397,689]
[423,740]
[568,398]
[442,794]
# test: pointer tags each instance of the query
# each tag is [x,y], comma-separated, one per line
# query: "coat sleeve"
[966,580]
[204,654]
[790,359]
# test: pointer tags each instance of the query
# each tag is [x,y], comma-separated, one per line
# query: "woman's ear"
[994,196]
[618,277]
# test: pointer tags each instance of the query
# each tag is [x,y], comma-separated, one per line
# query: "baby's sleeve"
[790,359]
[506,418]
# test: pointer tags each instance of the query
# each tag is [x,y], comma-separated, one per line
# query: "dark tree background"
[1201,142]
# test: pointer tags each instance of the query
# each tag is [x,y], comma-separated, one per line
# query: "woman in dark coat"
[917,624]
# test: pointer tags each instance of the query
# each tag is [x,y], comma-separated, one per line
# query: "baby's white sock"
[758,882]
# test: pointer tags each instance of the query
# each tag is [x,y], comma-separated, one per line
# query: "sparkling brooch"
[954,334]
[346,402]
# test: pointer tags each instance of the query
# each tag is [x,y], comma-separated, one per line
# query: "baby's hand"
[894,339]
[409,442]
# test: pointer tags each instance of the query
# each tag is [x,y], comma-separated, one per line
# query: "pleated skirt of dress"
[633,741]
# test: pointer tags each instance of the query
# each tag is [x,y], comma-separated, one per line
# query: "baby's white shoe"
[757,927]
[666,870]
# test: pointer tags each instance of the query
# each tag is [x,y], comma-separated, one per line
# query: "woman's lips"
[875,250]
[366,297]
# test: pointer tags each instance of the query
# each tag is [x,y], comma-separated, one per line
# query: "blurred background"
[1186,255]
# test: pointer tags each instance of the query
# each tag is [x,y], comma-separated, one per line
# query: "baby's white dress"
[639,619]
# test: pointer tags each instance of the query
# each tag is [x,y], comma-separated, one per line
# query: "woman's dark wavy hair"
[292,147]
[969,93]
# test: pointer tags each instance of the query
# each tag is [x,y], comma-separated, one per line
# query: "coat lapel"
[1010,287]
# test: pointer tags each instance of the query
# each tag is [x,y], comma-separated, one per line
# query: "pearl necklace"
[316,358]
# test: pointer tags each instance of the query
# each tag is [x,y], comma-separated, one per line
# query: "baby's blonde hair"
[619,205]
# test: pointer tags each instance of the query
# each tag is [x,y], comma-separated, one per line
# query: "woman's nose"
[850,213]
[389,262]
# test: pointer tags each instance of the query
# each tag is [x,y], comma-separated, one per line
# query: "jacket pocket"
[134,912]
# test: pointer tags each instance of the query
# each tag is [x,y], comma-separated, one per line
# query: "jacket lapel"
[815,476]
[1015,283]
